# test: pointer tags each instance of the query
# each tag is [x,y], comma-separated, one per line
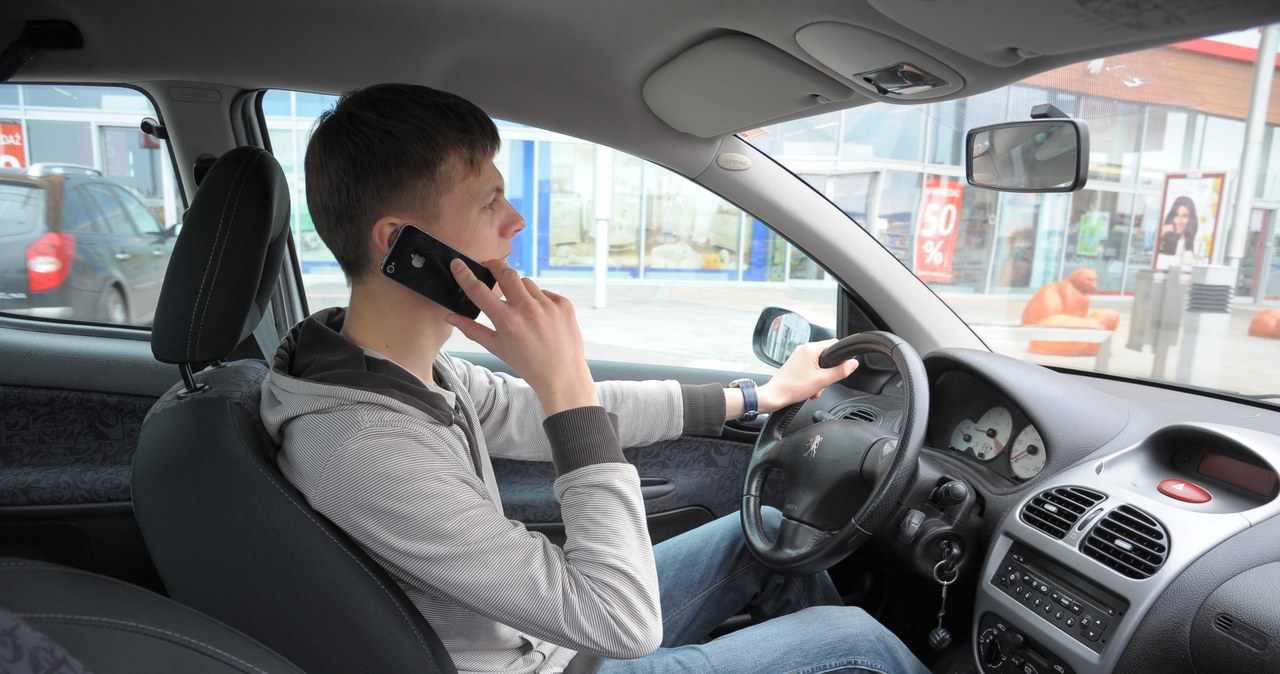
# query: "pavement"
[710,326]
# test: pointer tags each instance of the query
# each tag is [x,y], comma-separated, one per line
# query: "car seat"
[59,619]
[228,534]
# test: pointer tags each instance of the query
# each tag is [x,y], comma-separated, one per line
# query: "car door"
[155,245]
[139,261]
[74,393]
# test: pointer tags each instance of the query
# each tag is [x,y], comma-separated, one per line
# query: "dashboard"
[1123,527]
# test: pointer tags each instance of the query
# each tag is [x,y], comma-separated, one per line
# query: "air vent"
[1057,510]
[1129,541]
[859,412]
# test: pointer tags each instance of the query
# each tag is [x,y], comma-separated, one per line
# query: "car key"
[940,637]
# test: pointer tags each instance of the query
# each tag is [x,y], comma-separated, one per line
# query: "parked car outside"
[75,245]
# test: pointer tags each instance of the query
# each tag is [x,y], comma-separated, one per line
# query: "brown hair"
[384,148]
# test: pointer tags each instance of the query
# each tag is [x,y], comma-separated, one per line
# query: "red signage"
[12,154]
[936,230]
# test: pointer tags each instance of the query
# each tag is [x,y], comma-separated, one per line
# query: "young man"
[390,438]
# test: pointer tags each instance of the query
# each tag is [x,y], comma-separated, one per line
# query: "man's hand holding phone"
[535,331]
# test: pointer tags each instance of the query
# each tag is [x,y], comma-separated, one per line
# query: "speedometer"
[993,431]
[1027,454]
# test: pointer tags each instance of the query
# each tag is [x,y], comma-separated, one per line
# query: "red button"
[1184,491]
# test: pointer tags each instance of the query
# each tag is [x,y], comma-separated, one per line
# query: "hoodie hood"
[315,362]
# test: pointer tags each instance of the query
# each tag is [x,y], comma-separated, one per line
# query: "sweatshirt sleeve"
[646,411]
[417,507]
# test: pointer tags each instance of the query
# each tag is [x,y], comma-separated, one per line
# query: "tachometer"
[963,435]
[1027,454]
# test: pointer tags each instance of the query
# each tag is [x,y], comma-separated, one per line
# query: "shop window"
[883,132]
[1167,145]
[899,201]
[810,137]
[1031,229]
[1223,140]
[1098,231]
[1114,138]
[974,236]
[54,142]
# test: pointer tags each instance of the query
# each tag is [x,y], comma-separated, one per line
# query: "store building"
[896,171]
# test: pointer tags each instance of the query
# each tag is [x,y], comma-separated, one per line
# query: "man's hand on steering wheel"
[800,378]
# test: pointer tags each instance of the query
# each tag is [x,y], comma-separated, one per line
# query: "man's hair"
[387,148]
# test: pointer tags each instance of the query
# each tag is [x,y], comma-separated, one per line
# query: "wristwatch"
[750,401]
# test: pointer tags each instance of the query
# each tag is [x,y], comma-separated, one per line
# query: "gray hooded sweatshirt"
[403,468]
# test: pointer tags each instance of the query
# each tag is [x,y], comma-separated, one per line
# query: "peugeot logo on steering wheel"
[811,449]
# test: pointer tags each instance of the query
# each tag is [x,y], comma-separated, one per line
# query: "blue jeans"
[707,575]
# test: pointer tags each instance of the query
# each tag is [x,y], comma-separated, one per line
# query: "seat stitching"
[222,220]
[114,621]
[416,634]
[258,158]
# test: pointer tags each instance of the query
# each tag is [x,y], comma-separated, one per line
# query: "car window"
[75,166]
[687,272]
[21,208]
[111,211]
[143,219]
[1156,270]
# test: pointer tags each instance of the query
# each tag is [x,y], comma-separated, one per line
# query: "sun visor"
[1029,28]
[735,82]
[882,67]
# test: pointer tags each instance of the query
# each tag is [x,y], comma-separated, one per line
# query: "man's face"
[473,214]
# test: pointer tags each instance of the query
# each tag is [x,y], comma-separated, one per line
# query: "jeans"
[707,575]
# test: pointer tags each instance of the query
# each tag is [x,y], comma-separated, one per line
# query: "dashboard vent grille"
[1057,510]
[859,412]
[1129,541]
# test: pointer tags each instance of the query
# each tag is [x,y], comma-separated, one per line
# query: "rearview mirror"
[1037,155]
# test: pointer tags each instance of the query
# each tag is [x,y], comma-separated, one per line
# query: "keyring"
[938,577]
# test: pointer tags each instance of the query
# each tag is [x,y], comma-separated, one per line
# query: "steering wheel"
[844,477]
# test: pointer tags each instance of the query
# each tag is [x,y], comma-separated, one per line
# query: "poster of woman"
[1186,234]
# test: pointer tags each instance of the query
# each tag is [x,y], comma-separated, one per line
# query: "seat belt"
[266,335]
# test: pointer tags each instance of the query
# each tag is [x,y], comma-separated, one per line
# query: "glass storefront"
[92,127]
[890,168]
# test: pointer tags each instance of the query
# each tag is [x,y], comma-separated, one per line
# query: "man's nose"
[515,222]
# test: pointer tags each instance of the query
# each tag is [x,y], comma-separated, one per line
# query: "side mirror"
[779,331]
[1037,155]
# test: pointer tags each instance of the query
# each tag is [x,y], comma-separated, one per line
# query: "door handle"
[655,487]
[123,256]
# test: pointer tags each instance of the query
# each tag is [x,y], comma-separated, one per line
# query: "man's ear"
[383,233]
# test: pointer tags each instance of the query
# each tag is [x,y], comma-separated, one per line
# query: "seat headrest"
[226,260]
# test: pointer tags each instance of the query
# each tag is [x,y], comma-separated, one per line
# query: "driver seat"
[228,534]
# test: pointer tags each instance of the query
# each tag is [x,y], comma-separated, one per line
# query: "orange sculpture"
[1266,324]
[1065,304]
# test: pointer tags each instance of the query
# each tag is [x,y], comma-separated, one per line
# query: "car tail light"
[49,260]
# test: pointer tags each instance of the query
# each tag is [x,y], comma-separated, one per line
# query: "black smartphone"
[420,262]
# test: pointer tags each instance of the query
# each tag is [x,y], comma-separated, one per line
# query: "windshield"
[1155,270]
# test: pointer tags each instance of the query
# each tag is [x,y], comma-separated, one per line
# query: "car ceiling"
[582,67]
